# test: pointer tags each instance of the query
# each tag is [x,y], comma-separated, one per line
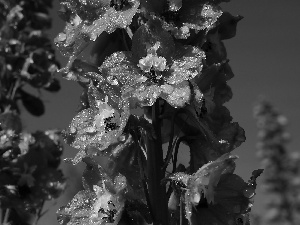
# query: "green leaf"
[222,93]
[54,86]
[10,121]
[227,25]
[232,204]
[32,104]
[214,49]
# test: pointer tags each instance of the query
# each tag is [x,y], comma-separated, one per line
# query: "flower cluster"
[29,162]
[29,171]
[27,56]
[167,56]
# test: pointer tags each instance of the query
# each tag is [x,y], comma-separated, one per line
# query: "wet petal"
[119,69]
[145,95]
[205,180]
[210,173]
[97,206]
[80,207]
[199,16]
[147,36]
[98,128]
[111,20]
[175,5]
[188,66]
[79,32]
[177,95]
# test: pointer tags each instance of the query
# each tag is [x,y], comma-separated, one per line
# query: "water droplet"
[50,184]
[249,192]
[72,129]
[68,160]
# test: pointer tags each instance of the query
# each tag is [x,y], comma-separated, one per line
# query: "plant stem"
[5,220]
[157,192]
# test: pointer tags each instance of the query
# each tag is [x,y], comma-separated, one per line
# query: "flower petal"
[80,207]
[199,16]
[111,20]
[205,180]
[119,69]
[188,66]
[145,95]
[177,95]
[97,206]
[79,32]
[147,36]
[209,175]
[99,126]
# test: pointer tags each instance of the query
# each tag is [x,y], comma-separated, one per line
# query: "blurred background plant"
[281,179]
[29,173]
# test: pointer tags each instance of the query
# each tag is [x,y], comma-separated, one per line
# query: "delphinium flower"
[185,18]
[154,68]
[281,178]
[171,62]
[99,125]
[213,194]
[86,20]
[102,204]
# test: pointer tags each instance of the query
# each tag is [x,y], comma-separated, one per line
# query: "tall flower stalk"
[281,178]
[165,59]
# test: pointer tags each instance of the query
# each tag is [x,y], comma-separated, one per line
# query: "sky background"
[264,57]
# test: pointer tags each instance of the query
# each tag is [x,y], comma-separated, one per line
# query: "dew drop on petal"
[175,5]
[223,141]
[72,129]
[196,198]
[249,192]
[68,160]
